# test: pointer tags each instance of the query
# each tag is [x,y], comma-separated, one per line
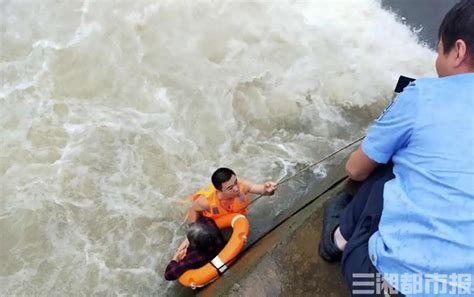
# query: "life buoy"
[200,277]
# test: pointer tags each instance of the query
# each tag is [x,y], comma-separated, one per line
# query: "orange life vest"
[238,205]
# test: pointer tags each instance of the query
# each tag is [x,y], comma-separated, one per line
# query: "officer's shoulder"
[424,82]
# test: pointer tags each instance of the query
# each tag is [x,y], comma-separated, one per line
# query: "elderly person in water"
[226,195]
[205,242]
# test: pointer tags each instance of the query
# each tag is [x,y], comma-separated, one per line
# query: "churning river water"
[112,112]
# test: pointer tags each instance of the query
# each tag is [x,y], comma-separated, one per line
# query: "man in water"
[226,195]
[412,219]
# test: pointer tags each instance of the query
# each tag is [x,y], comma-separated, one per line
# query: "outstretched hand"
[269,188]
[182,249]
[179,255]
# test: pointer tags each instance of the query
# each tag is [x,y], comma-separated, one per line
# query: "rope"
[284,180]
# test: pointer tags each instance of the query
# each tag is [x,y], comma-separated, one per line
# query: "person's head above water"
[456,40]
[225,181]
[201,236]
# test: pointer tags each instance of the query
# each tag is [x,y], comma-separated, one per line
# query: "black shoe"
[333,208]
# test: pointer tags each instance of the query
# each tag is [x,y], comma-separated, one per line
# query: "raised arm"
[267,188]
[199,205]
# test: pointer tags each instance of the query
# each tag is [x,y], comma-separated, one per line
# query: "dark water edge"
[427,14]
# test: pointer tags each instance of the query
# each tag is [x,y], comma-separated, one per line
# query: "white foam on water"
[111,113]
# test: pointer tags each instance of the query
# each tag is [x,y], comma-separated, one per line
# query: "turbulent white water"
[112,111]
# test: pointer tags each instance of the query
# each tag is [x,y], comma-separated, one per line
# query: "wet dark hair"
[202,236]
[458,23]
[220,176]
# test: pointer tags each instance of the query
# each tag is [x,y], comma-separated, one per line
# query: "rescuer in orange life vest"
[225,195]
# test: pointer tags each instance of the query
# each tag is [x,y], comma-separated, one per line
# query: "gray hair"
[201,236]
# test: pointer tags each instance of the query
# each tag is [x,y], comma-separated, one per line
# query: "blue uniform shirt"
[427,224]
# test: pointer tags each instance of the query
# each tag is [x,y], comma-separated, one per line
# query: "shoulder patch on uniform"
[412,84]
[403,81]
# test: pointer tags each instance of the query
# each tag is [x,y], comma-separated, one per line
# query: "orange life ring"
[200,277]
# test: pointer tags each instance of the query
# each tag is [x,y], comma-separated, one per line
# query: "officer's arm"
[359,166]
[197,207]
